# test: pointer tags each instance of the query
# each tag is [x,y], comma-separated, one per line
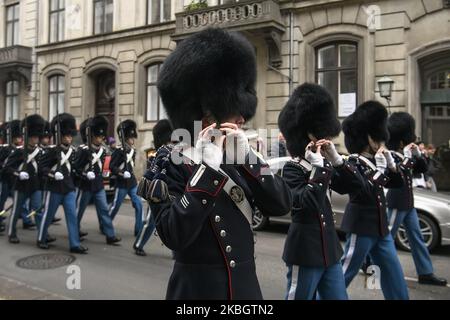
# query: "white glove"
[24,176]
[126,175]
[415,150]
[59,176]
[236,147]
[407,152]
[90,175]
[210,152]
[330,153]
[315,158]
[390,162]
[381,162]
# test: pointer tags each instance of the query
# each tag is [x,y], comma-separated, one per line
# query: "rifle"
[123,142]
[89,142]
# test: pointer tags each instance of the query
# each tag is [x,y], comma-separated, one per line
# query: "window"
[56,90]
[439,80]
[158,11]
[103,16]
[336,70]
[12,25]
[57,20]
[154,106]
[12,100]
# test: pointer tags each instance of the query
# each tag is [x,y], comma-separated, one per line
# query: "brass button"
[216,182]
[322,216]
[217,218]
[232,264]
[262,179]
[324,224]
[228,249]
[223,233]
[204,201]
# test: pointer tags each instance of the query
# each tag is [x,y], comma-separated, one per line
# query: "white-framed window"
[57,20]
[337,71]
[12,25]
[12,102]
[103,16]
[56,95]
[154,109]
[158,11]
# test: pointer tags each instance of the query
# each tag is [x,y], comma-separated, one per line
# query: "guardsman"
[5,148]
[57,167]
[202,204]
[23,165]
[122,167]
[162,135]
[312,250]
[365,219]
[88,164]
[401,210]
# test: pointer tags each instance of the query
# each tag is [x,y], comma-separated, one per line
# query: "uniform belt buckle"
[237,194]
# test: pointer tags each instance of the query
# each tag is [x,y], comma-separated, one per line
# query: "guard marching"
[203,207]
[57,166]
[400,202]
[312,249]
[88,165]
[23,165]
[365,219]
[162,135]
[122,168]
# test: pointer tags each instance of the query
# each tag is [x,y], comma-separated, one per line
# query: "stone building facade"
[102,56]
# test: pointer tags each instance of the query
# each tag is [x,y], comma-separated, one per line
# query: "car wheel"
[430,233]
[259,221]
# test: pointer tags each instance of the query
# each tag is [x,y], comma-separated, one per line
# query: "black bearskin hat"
[162,133]
[99,126]
[83,131]
[68,125]
[47,130]
[129,129]
[15,128]
[35,125]
[369,119]
[402,127]
[311,110]
[211,73]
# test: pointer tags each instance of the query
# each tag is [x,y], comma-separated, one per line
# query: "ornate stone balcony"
[16,59]
[259,17]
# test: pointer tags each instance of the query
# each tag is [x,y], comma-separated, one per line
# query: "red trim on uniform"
[189,167]
[219,188]
[230,285]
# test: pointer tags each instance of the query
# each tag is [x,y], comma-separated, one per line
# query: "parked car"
[433,211]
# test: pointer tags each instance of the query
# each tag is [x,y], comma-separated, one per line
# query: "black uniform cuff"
[207,180]
[255,165]
[378,178]
[320,175]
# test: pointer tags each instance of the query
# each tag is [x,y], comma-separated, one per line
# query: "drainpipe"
[34,58]
[291,47]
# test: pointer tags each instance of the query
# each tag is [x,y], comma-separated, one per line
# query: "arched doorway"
[435,105]
[100,98]
[105,97]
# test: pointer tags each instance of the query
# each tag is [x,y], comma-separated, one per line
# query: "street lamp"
[385,85]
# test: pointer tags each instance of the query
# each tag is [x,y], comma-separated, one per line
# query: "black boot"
[43,245]
[13,239]
[50,239]
[140,252]
[431,279]
[79,250]
[113,240]
[83,234]
[29,226]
